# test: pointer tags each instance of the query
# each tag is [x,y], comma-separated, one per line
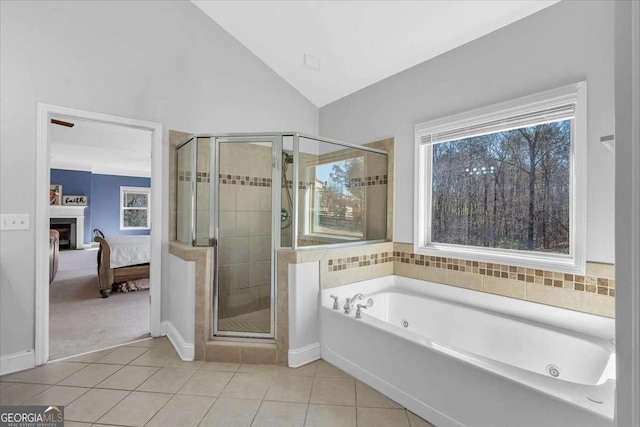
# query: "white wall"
[565,43]
[158,61]
[181,292]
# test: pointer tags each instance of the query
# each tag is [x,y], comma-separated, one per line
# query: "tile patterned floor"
[146,384]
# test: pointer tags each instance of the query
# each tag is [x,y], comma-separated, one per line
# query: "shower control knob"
[335,302]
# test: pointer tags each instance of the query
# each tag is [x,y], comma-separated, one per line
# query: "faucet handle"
[359,310]
[347,306]
[335,302]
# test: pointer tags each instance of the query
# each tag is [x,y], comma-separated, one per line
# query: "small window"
[134,208]
[337,201]
[506,183]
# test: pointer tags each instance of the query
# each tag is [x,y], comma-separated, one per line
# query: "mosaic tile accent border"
[302,185]
[339,264]
[252,181]
[186,176]
[367,181]
[577,282]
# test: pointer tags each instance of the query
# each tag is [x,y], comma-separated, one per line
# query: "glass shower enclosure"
[247,195]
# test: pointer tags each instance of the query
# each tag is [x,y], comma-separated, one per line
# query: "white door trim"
[45,113]
[627,102]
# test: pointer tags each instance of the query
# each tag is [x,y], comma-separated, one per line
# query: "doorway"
[74,206]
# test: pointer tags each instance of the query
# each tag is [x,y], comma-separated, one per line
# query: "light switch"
[14,222]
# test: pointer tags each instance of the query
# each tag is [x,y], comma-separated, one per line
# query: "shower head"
[287,158]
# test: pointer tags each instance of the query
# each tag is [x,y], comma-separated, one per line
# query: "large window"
[134,208]
[503,184]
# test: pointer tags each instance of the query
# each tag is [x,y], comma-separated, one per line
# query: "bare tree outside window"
[508,190]
[135,208]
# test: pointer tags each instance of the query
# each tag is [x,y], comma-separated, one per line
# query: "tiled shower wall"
[245,229]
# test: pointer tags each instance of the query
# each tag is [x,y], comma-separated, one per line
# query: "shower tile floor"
[146,384]
[257,321]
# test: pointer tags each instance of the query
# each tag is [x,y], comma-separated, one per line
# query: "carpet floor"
[80,320]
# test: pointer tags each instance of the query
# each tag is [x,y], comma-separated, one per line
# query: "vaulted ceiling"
[330,49]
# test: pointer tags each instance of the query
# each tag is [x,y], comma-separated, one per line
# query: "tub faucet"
[348,305]
[359,310]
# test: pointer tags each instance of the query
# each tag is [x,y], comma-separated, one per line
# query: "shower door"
[245,237]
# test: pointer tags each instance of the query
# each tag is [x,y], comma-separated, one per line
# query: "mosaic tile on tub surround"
[583,283]
[339,264]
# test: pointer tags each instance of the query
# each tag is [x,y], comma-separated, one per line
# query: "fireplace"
[69,221]
[67,229]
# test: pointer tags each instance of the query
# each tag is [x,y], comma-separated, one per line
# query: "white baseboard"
[17,362]
[303,355]
[186,351]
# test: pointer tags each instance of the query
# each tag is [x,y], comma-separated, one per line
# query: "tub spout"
[348,305]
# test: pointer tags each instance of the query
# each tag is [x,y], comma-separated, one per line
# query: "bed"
[121,258]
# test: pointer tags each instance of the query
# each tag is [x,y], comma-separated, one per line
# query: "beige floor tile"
[281,414]
[57,395]
[183,411]
[416,421]
[90,357]
[367,396]
[331,416]
[4,385]
[51,373]
[17,393]
[136,409]
[258,369]
[324,369]
[91,375]
[206,383]
[195,364]
[247,386]
[156,357]
[303,371]
[290,389]
[334,391]
[128,378]
[93,404]
[379,417]
[161,342]
[76,424]
[144,343]
[167,380]
[228,412]
[220,366]
[122,355]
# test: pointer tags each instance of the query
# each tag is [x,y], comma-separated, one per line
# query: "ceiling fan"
[62,123]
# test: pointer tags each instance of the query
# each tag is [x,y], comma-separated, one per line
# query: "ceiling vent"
[312,62]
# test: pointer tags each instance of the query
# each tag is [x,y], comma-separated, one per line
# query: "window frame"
[140,190]
[575,261]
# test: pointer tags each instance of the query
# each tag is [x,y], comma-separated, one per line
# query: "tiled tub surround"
[592,293]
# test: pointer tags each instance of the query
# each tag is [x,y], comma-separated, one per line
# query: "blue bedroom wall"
[103,192]
[76,183]
[105,208]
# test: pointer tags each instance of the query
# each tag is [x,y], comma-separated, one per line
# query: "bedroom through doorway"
[100,226]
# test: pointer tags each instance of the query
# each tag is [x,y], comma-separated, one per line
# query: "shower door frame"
[276,196]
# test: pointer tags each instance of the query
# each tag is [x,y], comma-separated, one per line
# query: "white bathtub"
[473,359]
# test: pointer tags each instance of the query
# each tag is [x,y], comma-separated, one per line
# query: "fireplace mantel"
[75,212]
